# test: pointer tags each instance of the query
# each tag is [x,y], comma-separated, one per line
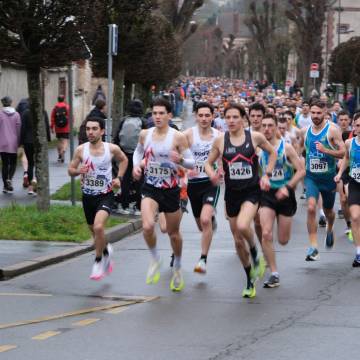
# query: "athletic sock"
[154,253]
[358,250]
[348,223]
[248,278]
[106,252]
[254,253]
[203,257]
[98,259]
[275,273]
[321,212]
[177,262]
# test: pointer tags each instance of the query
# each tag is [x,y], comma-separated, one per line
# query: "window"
[343,28]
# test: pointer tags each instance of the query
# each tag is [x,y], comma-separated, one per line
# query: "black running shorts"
[94,203]
[235,198]
[201,193]
[286,207]
[354,192]
[167,199]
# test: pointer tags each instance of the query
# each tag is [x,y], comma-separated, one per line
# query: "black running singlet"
[240,164]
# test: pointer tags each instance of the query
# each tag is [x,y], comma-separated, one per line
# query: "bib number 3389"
[239,171]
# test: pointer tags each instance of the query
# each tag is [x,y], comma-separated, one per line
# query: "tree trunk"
[118,104]
[40,139]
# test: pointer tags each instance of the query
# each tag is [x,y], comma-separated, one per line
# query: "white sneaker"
[97,272]
[136,211]
[108,263]
[123,211]
[200,267]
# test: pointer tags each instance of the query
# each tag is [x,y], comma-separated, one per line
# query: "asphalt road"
[58,313]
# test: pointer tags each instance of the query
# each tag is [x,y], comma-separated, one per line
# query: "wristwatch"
[268,174]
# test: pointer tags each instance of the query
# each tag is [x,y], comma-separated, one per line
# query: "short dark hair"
[100,103]
[289,112]
[342,113]
[97,119]
[61,98]
[271,116]
[356,116]
[161,101]
[320,104]
[258,107]
[235,106]
[204,104]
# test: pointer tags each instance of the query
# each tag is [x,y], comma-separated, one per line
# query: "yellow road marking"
[4,348]
[68,314]
[85,322]
[25,294]
[117,310]
[46,335]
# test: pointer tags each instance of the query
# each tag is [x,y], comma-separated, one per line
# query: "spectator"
[27,140]
[99,95]
[10,124]
[60,124]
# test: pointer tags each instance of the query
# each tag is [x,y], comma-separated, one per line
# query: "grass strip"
[61,223]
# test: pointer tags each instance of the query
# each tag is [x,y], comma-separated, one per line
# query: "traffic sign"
[314,74]
[314,66]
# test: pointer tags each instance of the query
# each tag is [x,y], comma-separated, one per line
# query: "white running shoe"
[123,211]
[153,274]
[108,263]
[200,267]
[97,272]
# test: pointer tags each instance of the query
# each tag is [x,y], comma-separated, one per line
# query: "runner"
[323,144]
[237,147]
[95,159]
[164,149]
[343,121]
[280,202]
[203,195]
[352,159]
[256,114]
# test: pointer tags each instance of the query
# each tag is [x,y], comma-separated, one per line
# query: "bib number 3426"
[238,171]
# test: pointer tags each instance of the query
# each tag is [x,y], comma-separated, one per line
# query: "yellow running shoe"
[249,292]
[177,281]
[258,271]
[153,274]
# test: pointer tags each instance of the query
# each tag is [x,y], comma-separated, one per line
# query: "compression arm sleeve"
[138,154]
[188,161]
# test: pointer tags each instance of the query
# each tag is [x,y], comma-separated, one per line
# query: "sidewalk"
[18,257]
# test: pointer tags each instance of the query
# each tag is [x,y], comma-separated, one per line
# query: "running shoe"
[340,214]
[329,240]
[26,182]
[258,271]
[108,263]
[312,254]
[322,221]
[249,291]
[172,260]
[123,211]
[97,272]
[135,211]
[214,223]
[200,267]
[356,262]
[34,184]
[303,195]
[177,281]
[31,192]
[153,274]
[59,158]
[349,235]
[272,282]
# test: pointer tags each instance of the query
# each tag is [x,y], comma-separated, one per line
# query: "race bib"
[200,169]
[156,170]
[278,174]
[240,171]
[355,174]
[318,166]
[94,184]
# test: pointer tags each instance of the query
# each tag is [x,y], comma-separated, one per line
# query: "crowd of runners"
[257,142]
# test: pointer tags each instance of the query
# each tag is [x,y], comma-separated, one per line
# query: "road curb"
[112,235]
